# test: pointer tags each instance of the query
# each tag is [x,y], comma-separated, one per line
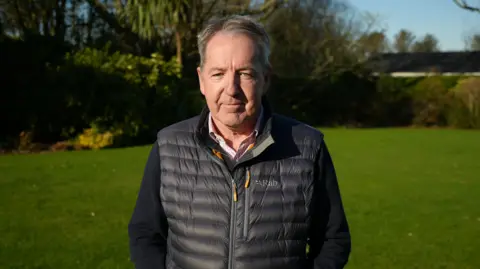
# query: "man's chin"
[234,121]
[234,124]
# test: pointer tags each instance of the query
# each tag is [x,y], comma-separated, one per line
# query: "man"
[238,187]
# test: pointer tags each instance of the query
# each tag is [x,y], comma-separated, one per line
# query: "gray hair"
[236,24]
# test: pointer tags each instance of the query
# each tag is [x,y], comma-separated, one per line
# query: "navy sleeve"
[329,241]
[148,225]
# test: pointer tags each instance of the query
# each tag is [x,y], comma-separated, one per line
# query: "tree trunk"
[178,41]
[60,28]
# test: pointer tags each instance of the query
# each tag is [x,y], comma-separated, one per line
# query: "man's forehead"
[227,50]
[218,66]
[230,44]
[220,61]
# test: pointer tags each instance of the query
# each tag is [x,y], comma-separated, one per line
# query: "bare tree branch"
[208,12]
[111,19]
[463,4]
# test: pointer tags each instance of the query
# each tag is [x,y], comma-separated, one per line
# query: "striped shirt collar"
[242,149]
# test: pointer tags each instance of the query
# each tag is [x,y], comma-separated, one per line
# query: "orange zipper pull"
[247,182]
[235,197]
[218,154]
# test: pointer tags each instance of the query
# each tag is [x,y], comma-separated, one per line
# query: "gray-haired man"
[238,187]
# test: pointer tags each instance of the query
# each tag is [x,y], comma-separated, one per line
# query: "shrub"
[392,103]
[134,69]
[24,94]
[95,138]
[464,109]
[25,141]
[430,99]
[117,91]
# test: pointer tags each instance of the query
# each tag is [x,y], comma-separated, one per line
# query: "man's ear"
[200,80]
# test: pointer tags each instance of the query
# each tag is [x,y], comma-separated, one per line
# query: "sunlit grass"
[412,199]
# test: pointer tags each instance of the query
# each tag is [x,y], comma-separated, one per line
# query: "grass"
[412,199]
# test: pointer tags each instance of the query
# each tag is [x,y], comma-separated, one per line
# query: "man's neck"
[235,136]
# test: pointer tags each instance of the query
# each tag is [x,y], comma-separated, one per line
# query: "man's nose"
[233,84]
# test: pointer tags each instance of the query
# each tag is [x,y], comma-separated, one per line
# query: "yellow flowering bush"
[93,138]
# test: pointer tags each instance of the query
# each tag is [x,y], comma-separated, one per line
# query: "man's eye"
[247,75]
[217,75]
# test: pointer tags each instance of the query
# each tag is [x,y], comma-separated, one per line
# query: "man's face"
[232,79]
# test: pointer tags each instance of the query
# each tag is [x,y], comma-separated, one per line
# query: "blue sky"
[443,18]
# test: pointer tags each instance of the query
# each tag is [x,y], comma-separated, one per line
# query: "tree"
[154,18]
[403,41]
[24,18]
[373,43]
[429,43]
[314,38]
[184,18]
[473,42]
[463,4]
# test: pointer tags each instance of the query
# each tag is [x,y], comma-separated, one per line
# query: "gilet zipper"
[248,178]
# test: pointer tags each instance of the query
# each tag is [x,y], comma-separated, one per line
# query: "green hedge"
[118,91]
[464,104]
[59,95]
[349,100]
[58,100]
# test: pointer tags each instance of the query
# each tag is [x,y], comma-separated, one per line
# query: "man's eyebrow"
[246,68]
[216,69]
[240,69]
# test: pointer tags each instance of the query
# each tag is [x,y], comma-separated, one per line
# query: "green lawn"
[412,199]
